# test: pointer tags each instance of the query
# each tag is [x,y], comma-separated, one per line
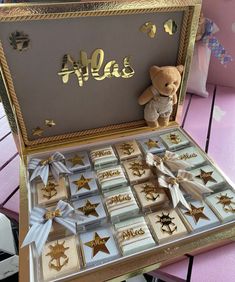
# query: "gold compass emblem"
[57,254]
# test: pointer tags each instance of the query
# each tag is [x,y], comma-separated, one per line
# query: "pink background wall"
[222,12]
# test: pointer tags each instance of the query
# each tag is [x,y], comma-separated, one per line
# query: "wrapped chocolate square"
[127,150]
[137,170]
[223,204]
[174,139]
[52,192]
[198,217]
[133,236]
[166,225]
[152,144]
[208,176]
[82,184]
[98,246]
[121,204]
[60,258]
[150,195]
[103,157]
[92,211]
[111,178]
[77,161]
[192,156]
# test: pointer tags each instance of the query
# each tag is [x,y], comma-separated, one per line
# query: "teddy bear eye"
[175,82]
[166,84]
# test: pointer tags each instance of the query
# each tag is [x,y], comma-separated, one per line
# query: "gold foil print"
[150,192]
[19,40]
[170,27]
[98,244]
[127,149]
[168,226]
[196,213]
[206,176]
[150,29]
[132,233]
[76,160]
[174,138]
[49,190]
[52,214]
[137,168]
[119,199]
[227,202]
[38,131]
[187,156]
[109,174]
[85,67]
[83,182]
[50,122]
[89,209]
[57,254]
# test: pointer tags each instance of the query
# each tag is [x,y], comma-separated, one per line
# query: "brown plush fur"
[166,80]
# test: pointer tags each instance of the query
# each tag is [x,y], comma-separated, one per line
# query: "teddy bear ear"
[154,70]
[180,68]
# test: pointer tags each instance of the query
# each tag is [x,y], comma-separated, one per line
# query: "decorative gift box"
[91,166]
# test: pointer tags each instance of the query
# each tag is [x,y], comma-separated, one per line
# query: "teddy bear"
[160,97]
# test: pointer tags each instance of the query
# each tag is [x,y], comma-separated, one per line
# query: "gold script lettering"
[131,233]
[81,68]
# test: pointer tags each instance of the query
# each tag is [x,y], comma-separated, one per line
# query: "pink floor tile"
[13,203]
[222,142]
[9,179]
[198,117]
[4,127]
[7,149]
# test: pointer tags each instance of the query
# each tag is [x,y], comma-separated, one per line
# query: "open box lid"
[45,49]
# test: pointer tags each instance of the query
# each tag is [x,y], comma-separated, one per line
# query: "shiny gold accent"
[150,191]
[166,221]
[152,144]
[119,199]
[149,28]
[132,233]
[19,40]
[98,244]
[174,138]
[50,122]
[138,168]
[50,190]
[57,252]
[196,213]
[170,27]
[45,161]
[76,160]
[109,174]
[206,176]
[102,153]
[187,156]
[38,131]
[227,202]
[52,214]
[81,68]
[171,251]
[89,209]
[83,182]
[24,12]
[127,148]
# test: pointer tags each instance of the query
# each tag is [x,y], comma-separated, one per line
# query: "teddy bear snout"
[171,88]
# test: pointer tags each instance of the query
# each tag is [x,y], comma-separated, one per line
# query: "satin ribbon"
[41,220]
[53,164]
[187,181]
[214,45]
[170,159]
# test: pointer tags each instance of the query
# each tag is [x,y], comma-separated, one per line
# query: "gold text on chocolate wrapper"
[95,65]
[119,199]
[131,233]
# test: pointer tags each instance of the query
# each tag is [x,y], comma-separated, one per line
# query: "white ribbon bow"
[170,159]
[41,220]
[187,181]
[53,164]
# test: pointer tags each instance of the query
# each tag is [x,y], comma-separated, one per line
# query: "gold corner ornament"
[19,40]
[170,27]
[150,29]
[38,131]
[49,123]
[82,67]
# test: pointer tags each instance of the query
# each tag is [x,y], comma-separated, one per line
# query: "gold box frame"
[140,263]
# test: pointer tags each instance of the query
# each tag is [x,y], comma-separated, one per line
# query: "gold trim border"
[39,12]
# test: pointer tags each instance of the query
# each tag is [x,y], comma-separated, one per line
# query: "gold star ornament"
[196,213]
[152,144]
[206,176]
[83,182]
[38,131]
[98,244]
[89,209]
[76,160]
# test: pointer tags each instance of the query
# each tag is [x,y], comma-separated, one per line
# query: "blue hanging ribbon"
[213,43]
